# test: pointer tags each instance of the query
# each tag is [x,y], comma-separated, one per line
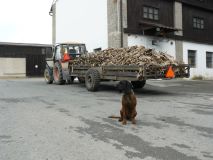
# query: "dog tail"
[114,117]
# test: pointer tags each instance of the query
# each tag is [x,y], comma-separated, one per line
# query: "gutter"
[121,22]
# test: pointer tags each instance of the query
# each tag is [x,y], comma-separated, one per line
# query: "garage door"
[35,65]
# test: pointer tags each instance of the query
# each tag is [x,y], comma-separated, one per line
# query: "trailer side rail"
[131,72]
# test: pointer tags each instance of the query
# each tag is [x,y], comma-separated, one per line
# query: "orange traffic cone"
[170,73]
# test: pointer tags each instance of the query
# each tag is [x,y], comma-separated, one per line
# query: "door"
[35,65]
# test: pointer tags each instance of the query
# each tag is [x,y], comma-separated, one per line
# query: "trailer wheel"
[48,75]
[58,74]
[138,84]
[92,80]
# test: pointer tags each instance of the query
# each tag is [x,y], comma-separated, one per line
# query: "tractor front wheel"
[48,75]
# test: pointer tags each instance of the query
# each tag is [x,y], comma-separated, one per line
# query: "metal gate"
[35,65]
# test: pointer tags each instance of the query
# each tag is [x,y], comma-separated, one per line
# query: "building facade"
[182,28]
[21,59]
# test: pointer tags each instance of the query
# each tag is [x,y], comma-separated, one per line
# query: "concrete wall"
[82,21]
[179,50]
[201,50]
[178,18]
[114,28]
[117,20]
[12,67]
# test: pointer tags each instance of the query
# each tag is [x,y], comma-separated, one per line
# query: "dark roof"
[71,43]
[24,44]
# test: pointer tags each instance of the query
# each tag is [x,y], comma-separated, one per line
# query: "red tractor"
[57,67]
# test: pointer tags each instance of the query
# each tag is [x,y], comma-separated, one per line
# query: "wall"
[205,4]
[178,18]
[12,67]
[114,24]
[162,44]
[117,20]
[197,35]
[135,13]
[200,59]
[83,21]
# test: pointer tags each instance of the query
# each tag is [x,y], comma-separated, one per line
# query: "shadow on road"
[156,91]
[111,88]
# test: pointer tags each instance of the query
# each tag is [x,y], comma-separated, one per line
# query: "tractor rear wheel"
[58,74]
[92,80]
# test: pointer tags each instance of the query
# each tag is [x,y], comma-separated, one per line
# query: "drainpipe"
[121,21]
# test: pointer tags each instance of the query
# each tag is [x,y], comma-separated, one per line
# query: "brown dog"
[129,102]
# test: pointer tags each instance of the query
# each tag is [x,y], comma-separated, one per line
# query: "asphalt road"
[51,122]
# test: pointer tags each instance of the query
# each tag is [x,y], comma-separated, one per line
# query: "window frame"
[209,60]
[58,55]
[198,23]
[150,13]
[192,64]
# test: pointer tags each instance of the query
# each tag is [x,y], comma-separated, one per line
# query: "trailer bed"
[131,72]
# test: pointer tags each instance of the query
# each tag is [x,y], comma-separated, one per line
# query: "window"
[209,59]
[198,23]
[192,58]
[43,51]
[151,13]
[58,53]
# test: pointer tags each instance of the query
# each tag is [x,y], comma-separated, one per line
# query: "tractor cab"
[65,52]
[57,69]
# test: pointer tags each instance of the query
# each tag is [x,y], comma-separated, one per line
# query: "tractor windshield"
[67,52]
[76,50]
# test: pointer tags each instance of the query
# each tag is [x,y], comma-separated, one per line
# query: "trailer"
[60,70]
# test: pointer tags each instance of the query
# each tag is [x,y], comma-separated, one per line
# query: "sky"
[28,21]
[83,21]
[25,21]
